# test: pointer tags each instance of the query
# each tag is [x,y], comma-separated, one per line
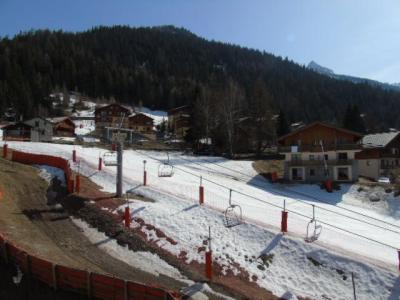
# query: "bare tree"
[260,108]
[230,106]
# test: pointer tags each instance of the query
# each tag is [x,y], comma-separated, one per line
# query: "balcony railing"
[319,162]
[317,148]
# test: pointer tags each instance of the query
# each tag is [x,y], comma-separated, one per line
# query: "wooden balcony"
[319,162]
[317,148]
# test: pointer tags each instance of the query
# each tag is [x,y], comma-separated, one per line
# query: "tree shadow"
[275,242]
[395,294]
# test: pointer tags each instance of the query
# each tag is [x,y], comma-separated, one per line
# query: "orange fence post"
[209,265]
[284,218]
[274,177]
[77,183]
[201,194]
[201,191]
[329,186]
[127,217]
[398,254]
[5,150]
[284,221]
[100,163]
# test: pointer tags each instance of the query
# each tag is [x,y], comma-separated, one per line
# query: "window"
[297,174]
[326,156]
[342,155]
[312,172]
[296,157]
[343,174]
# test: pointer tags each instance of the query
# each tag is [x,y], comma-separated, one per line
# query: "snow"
[84,127]
[291,271]
[144,261]
[158,116]
[48,173]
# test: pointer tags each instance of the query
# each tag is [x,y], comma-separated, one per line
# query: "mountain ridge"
[164,67]
[329,72]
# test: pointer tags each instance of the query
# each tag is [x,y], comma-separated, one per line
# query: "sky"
[352,37]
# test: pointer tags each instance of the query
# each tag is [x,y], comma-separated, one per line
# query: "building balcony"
[320,162]
[317,148]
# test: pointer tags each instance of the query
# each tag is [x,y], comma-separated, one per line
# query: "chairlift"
[166,169]
[233,214]
[110,158]
[313,229]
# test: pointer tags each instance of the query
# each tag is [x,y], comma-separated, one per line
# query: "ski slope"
[262,204]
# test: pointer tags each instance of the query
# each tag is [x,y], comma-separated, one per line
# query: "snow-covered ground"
[144,261]
[84,127]
[48,173]
[292,269]
[158,116]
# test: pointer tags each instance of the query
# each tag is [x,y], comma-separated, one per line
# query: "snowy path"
[176,212]
[256,202]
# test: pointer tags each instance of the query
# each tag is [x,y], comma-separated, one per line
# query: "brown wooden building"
[141,123]
[17,132]
[63,126]
[319,152]
[112,115]
[380,155]
[179,121]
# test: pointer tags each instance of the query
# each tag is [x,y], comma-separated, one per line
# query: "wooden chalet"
[141,123]
[17,132]
[320,151]
[112,115]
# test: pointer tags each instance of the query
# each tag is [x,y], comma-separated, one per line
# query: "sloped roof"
[57,119]
[322,124]
[134,116]
[378,140]
[104,106]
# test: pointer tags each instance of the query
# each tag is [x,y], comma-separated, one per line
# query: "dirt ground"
[28,217]
[269,166]
[27,220]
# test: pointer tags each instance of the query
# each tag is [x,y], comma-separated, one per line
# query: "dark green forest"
[165,67]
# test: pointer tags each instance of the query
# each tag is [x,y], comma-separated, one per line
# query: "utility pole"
[120,150]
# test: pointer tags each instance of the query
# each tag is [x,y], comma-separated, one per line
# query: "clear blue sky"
[354,37]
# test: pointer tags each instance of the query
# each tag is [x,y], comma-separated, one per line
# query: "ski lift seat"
[233,216]
[110,159]
[313,231]
[165,170]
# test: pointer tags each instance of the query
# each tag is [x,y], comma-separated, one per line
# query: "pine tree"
[282,127]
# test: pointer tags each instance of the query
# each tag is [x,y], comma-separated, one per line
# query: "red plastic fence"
[40,159]
[72,279]
[61,277]
[94,285]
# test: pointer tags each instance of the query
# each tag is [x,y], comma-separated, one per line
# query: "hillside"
[164,67]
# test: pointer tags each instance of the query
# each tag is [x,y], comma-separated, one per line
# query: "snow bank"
[295,267]
[48,173]
[283,265]
[144,261]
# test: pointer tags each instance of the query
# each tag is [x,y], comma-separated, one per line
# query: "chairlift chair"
[110,158]
[166,169]
[233,214]
[313,229]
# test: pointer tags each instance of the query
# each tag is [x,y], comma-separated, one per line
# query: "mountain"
[320,69]
[165,67]
[328,72]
